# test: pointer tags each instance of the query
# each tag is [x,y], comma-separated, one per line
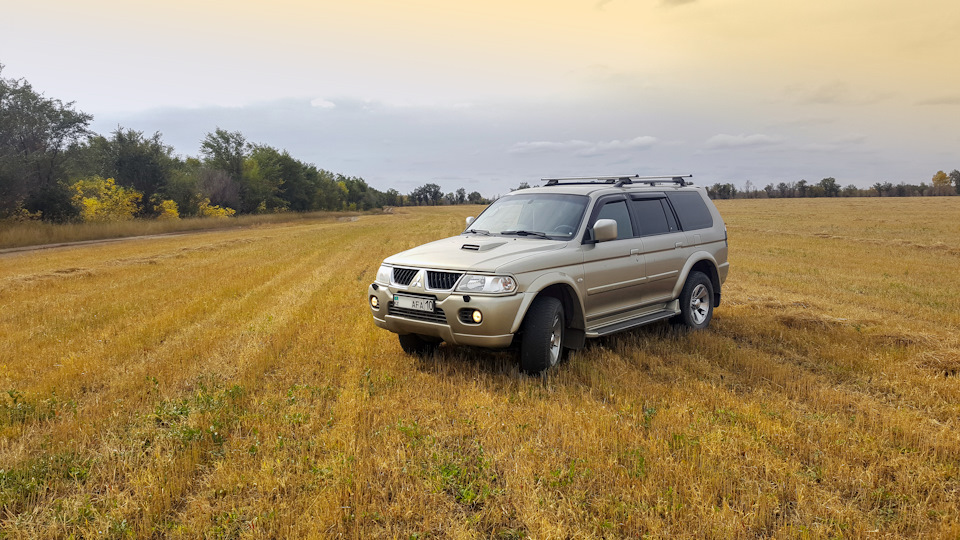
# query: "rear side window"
[617,211]
[650,216]
[691,210]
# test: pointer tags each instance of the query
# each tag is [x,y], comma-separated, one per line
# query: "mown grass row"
[15,235]
[231,385]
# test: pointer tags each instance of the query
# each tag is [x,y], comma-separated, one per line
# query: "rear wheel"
[543,327]
[696,301]
[415,345]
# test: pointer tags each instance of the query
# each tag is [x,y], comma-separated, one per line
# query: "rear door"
[665,246]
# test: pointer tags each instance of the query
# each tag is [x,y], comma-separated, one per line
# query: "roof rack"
[619,180]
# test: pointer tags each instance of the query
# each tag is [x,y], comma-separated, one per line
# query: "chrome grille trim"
[403,276]
[442,281]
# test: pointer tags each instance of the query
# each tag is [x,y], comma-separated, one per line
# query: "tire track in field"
[804,414]
[805,381]
[338,317]
[130,382]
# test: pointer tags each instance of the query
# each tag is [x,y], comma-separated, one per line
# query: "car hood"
[473,252]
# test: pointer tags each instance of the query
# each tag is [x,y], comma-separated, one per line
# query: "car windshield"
[534,215]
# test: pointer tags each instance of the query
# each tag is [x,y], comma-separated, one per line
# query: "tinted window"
[650,216]
[691,210]
[554,214]
[617,211]
[670,218]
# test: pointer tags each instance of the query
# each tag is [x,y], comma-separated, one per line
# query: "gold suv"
[549,267]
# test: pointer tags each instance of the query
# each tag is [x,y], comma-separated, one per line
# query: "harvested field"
[231,384]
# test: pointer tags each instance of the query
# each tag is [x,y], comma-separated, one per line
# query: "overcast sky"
[488,94]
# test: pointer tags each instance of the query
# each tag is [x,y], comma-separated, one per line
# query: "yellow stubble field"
[231,384]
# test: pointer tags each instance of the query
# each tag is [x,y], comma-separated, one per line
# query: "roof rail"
[619,180]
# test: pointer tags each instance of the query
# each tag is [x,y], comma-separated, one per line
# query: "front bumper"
[496,330]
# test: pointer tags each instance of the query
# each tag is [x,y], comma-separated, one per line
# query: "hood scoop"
[481,247]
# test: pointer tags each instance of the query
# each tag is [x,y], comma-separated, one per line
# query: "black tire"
[696,302]
[415,345]
[543,327]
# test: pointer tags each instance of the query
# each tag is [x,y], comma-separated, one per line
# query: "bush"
[167,209]
[102,200]
[213,211]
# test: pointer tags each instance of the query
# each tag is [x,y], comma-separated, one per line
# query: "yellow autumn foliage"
[167,209]
[102,200]
[213,211]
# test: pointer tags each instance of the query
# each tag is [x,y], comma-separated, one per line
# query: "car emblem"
[418,281]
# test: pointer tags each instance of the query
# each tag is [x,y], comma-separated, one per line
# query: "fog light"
[477,316]
[374,302]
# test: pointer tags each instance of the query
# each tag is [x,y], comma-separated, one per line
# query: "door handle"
[678,245]
[634,251]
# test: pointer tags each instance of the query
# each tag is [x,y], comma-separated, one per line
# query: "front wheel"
[696,301]
[542,344]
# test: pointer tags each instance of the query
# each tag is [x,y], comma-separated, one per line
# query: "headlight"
[472,283]
[383,274]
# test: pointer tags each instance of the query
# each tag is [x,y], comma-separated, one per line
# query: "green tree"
[475,198]
[330,195]
[461,196]
[133,160]
[955,177]
[830,187]
[225,150]
[392,197]
[722,191]
[427,194]
[784,189]
[35,133]
[262,180]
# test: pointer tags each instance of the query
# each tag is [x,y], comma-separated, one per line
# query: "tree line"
[53,167]
[940,185]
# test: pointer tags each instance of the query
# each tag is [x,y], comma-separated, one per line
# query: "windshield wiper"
[478,231]
[527,233]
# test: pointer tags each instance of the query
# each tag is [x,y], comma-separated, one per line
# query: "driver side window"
[617,211]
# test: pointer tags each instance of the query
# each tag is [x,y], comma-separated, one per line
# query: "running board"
[630,323]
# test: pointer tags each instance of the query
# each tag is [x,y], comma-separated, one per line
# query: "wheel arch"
[565,291]
[704,263]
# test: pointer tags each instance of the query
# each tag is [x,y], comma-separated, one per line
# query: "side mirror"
[470,220]
[604,230]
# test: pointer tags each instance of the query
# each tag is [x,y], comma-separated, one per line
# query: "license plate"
[412,302]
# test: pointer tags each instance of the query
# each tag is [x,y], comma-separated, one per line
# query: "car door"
[665,247]
[613,271]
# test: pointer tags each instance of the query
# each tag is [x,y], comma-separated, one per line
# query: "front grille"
[442,281]
[403,276]
[438,316]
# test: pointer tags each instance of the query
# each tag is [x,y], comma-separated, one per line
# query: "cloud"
[846,143]
[825,94]
[321,103]
[834,93]
[942,100]
[724,140]
[583,148]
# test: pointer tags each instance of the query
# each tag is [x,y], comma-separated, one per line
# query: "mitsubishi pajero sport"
[549,267]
